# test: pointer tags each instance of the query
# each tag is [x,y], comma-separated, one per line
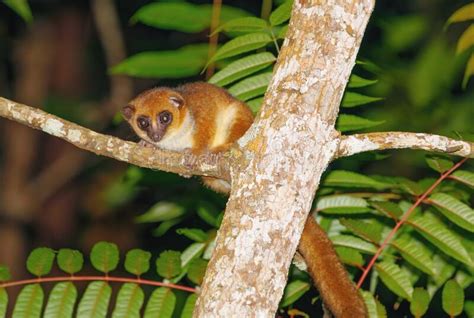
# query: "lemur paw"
[146,144]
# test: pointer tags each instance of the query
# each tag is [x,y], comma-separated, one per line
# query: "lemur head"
[155,113]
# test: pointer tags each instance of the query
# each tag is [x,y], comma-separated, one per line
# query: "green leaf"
[243,25]
[354,242]
[388,208]
[464,176]
[452,298]
[161,211]
[137,261]
[4,273]
[161,304]
[395,279]
[351,122]
[196,271]
[21,7]
[168,265]
[464,13]
[352,99]
[242,68]
[293,291]
[469,308]
[369,230]
[374,308]
[342,178]
[255,104]
[70,261]
[420,301]
[182,16]
[29,302]
[469,71]
[40,261]
[342,204]
[105,256]
[444,269]
[95,301]
[241,44]
[409,186]
[251,86]
[191,252]
[184,62]
[464,278]
[282,32]
[207,212]
[197,235]
[439,163]
[443,238]
[164,227]
[62,300]
[466,40]
[456,211]
[281,14]
[356,81]
[414,252]
[349,256]
[3,302]
[129,301]
[189,306]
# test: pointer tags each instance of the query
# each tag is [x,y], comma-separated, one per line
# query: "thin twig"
[404,219]
[95,278]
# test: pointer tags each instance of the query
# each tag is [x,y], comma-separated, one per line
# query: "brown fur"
[338,292]
[204,101]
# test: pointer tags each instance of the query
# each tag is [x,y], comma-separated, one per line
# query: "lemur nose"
[156,137]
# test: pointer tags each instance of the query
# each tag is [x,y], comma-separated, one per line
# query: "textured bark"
[354,144]
[282,158]
[212,165]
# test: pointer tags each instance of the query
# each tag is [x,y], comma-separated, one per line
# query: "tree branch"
[213,165]
[357,143]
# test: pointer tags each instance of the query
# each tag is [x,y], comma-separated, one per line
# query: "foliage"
[64,299]
[430,256]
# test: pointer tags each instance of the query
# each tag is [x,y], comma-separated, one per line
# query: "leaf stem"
[404,219]
[96,278]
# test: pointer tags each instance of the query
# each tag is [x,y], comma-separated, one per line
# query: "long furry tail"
[337,290]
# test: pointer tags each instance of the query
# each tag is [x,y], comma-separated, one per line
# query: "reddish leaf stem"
[404,218]
[96,278]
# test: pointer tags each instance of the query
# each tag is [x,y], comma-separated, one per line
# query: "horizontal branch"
[213,165]
[138,280]
[357,143]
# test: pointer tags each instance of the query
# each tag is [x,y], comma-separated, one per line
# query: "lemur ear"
[176,100]
[128,111]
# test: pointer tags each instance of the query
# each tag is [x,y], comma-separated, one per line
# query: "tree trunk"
[281,159]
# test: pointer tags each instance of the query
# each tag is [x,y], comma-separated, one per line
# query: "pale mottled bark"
[282,158]
[354,144]
[213,165]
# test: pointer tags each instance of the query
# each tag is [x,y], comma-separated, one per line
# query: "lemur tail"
[337,290]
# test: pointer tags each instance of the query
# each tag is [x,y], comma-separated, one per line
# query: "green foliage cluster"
[94,302]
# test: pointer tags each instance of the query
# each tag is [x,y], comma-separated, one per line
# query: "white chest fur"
[224,120]
[181,138]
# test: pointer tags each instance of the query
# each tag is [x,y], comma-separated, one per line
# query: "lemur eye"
[143,122]
[165,117]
